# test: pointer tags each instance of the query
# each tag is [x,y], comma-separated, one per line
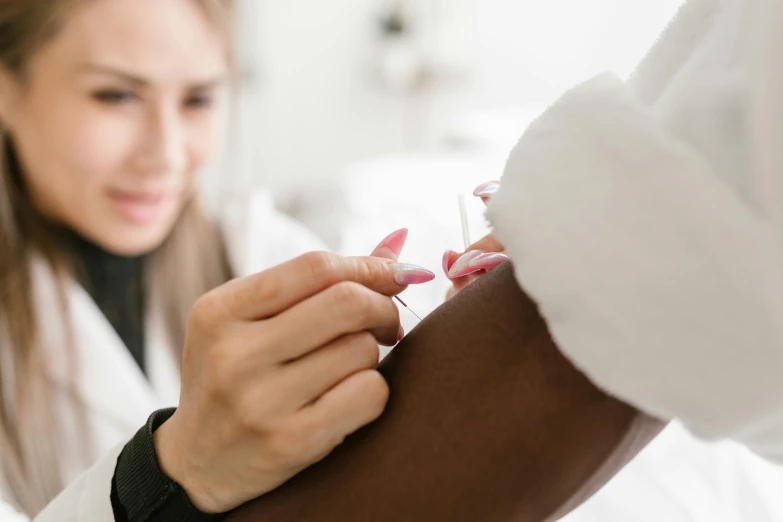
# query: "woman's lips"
[142,208]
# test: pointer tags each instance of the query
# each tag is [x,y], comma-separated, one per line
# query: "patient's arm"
[486,422]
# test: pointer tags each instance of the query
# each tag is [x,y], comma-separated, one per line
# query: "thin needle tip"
[408,307]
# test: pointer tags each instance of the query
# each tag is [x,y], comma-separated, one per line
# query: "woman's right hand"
[279,367]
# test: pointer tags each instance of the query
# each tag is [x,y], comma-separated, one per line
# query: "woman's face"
[116,115]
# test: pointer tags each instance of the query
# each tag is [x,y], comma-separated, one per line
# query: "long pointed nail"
[486,190]
[461,266]
[446,259]
[394,241]
[406,274]
[488,261]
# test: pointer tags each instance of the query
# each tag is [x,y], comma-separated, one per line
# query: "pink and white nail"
[488,261]
[406,274]
[394,241]
[447,261]
[486,190]
[461,266]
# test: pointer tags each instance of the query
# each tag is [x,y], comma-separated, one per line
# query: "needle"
[406,306]
[463,214]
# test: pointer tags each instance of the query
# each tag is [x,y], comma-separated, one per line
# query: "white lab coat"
[117,395]
[646,220]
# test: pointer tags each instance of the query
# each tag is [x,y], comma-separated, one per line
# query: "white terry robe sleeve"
[656,278]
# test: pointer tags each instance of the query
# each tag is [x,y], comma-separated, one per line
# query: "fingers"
[270,292]
[460,283]
[342,309]
[482,255]
[313,375]
[488,243]
[391,246]
[355,402]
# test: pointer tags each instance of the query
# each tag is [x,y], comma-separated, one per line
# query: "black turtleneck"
[116,284]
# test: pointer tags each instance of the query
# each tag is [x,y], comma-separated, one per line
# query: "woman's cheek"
[205,137]
[103,145]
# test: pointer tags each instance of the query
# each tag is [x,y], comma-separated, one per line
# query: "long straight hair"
[191,261]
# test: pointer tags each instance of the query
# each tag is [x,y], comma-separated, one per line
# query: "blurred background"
[364,116]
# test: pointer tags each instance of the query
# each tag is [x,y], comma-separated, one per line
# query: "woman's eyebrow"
[140,81]
[96,68]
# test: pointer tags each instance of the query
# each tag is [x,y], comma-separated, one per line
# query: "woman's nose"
[164,150]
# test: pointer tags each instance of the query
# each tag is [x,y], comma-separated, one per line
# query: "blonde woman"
[108,110]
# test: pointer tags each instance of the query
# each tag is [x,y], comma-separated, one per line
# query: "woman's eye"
[114,97]
[198,102]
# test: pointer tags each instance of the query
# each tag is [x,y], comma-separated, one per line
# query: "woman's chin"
[131,241]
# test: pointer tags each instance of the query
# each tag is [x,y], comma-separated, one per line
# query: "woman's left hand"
[480,257]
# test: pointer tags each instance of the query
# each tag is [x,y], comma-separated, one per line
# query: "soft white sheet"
[681,479]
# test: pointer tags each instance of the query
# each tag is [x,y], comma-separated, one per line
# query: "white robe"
[645,218]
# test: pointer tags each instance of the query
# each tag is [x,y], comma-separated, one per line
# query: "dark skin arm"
[487,422]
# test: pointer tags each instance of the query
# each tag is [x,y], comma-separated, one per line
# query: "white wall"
[532,50]
[314,107]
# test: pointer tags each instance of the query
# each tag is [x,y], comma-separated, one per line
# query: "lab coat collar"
[108,381]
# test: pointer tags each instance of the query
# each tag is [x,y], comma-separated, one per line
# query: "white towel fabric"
[645,218]
[681,479]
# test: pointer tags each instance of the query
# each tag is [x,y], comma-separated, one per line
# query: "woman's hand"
[278,369]
[480,257]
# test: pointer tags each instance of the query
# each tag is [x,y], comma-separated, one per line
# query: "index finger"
[272,291]
[488,243]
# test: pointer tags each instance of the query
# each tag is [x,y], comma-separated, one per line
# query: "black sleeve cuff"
[141,492]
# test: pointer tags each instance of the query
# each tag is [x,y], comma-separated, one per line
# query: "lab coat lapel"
[163,368]
[109,382]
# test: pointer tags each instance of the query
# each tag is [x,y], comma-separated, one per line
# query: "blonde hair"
[190,262]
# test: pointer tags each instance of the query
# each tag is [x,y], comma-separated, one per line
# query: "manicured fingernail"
[486,190]
[488,261]
[461,266]
[394,241]
[405,274]
[446,258]
[400,334]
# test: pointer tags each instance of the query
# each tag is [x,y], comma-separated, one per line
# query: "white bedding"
[678,478]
